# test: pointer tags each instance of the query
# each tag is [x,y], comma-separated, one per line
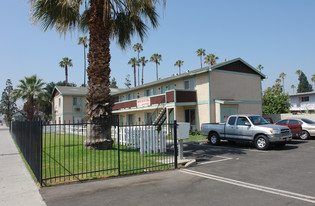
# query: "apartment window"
[163,89]
[305,99]
[130,96]
[149,118]
[149,92]
[189,84]
[131,119]
[59,102]
[75,101]
[121,98]
[170,87]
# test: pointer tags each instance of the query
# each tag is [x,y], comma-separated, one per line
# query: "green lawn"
[65,157]
[195,138]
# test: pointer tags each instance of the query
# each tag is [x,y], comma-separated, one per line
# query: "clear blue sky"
[280,35]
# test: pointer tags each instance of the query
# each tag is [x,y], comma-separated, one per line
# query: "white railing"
[146,138]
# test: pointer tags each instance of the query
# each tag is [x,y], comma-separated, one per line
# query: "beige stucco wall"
[250,109]
[202,87]
[226,85]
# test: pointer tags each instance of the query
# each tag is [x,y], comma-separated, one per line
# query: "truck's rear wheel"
[214,138]
[262,142]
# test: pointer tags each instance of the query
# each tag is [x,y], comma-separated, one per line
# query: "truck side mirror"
[247,124]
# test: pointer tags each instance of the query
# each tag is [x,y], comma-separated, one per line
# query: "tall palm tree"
[138,48]
[105,20]
[201,52]
[30,89]
[260,67]
[83,41]
[293,87]
[282,76]
[143,62]
[211,59]
[156,58]
[313,79]
[134,63]
[278,81]
[178,64]
[65,63]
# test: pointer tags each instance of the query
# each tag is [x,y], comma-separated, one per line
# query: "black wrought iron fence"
[75,152]
[28,137]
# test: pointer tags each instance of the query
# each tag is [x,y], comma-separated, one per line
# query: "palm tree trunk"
[201,61]
[99,102]
[157,73]
[84,66]
[138,70]
[179,69]
[142,75]
[66,70]
[135,74]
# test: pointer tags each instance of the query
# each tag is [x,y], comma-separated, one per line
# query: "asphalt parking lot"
[230,174]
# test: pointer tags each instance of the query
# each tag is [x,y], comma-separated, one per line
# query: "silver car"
[308,127]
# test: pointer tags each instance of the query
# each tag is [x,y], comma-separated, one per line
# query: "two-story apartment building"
[209,94]
[198,96]
[69,103]
[302,102]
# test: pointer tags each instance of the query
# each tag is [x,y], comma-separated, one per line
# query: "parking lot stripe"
[214,161]
[251,186]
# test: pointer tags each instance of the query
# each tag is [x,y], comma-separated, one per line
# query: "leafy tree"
[313,79]
[65,63]
[138,48]
[30,89]
[178,64]
[134,63]
[156,58]
[298,72]
[113,83]
[201,52]
[275,101]
[128,81]
[7,103]
[260,67]
[293,88]
[143,62]
[211,59]
[282,76]
[304,85]
[83,40]
[105,20]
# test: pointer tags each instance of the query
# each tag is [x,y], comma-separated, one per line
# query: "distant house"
[209,94]
[302,102]
[69,104]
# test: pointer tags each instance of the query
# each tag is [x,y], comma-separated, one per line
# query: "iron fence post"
[118,148]
[41,153]
[175,143]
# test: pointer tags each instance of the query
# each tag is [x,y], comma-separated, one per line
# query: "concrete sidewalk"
[16,184]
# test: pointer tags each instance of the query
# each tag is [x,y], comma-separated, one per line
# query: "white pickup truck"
[251,128]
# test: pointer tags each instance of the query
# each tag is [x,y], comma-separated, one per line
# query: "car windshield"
[258,120]
[308,121]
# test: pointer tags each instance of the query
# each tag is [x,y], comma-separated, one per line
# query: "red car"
[294,125]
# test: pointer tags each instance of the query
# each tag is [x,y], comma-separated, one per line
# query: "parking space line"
[236,148]
[214,161]
[251,186]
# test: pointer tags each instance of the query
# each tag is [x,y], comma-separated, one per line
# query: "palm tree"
[134,63]
[313,79]
[104,20]
[293,87]
[178,64]
[298,72]
[156,58]
[278,81]
[211,59]
[29,89]
[143,62]
[83,41]
[138,48]
[260,67]
[65,63]
[282,76]
[201,52]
